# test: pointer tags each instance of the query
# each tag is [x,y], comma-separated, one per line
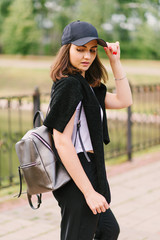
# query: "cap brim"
[83,41]
[102,43]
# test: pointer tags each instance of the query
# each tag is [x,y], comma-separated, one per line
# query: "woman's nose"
[87,55]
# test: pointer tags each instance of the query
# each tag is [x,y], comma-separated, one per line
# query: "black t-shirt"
[66,94]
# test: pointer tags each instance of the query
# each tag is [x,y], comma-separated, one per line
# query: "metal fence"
[138,127]
[132,129]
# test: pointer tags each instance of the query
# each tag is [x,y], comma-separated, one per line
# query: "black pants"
[78,221]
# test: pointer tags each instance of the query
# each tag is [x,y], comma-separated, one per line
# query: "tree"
[20,34]
[52,17]
[35,26]
[4,6]
[137,24]
[65,12]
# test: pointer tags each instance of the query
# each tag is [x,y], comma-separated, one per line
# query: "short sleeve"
[100,92]
[66,95]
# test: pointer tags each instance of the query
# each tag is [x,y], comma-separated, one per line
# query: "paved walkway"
[135,201]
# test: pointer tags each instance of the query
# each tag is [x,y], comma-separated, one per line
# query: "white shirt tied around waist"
[85,135]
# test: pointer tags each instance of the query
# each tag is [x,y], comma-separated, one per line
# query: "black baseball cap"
[80,33]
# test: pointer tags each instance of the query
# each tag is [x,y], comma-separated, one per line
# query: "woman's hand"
[96,202]
[123,97]
[113,51]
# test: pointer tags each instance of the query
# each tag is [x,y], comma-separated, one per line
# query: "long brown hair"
[62,68]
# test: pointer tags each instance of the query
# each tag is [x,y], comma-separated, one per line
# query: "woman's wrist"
[115,62]
[121,78]
[88,191]
[118,71]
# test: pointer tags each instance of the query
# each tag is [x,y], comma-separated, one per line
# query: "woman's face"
[81,57]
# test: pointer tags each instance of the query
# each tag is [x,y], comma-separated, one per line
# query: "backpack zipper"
[42,140]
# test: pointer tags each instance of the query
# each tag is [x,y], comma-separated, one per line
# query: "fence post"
[10,143]
[129,134]
[36,105]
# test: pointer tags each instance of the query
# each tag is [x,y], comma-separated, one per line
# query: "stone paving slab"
[24,223]
[135,203]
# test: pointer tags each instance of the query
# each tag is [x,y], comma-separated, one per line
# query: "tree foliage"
[138,28]
[35,26]
[19,30]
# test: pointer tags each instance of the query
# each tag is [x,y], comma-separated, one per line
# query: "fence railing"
[132,129]
[138,127]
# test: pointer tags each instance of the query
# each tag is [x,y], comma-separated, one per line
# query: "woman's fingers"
[101,207]
[98,210]
[96,202]
[113,50]
[94,211]
[113,47]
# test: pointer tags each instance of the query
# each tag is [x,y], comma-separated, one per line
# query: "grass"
[21,75]
[118,136]
[23,81]
[123,158]
[10,193]
[26,119]
[8,158]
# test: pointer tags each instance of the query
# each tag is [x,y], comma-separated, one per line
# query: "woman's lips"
[85,63]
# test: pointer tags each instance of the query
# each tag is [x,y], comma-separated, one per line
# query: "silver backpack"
[39,161]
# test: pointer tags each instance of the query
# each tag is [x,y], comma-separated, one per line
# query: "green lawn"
[35,71]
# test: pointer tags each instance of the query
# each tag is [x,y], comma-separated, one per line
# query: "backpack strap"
[20,183]
[36,115]
[39,201]
[79,134]
[20,178]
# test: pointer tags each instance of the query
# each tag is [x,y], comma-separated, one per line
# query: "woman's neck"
[83,74]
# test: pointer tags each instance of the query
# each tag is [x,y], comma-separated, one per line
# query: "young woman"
[77,74]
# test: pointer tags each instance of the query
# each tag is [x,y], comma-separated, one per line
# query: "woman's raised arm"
[123,97]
